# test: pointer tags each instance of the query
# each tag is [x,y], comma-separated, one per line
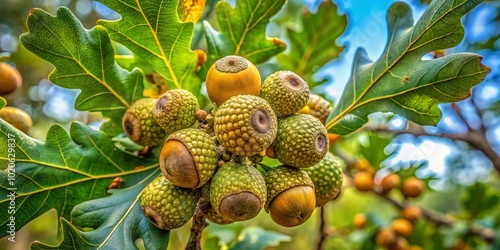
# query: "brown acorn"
[188,158]
[413,187]
[231,76]
[389,182]
[17,118]
[411,213]
[385,237]
[10,79]
[290,195]
[363,181]
[402,226]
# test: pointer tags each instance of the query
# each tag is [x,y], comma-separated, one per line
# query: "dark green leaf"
[399,81]
[243,31]
[314,46]
[65,170]
[117,222]
[83,59]
[479,200]
[152,31]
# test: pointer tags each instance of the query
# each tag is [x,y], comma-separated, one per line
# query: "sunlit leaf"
[243,31]
[315,44]
[65,170]
[152,31]
[399,81]
[83,59]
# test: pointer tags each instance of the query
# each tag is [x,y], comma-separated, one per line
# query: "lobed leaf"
[83,59]
[65,170]
[152,31]
[243,31]
[314,45]
[116,222]
[399,81]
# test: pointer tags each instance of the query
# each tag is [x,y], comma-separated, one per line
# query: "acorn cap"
[319,107]
[231,76]
[139,124]
[302,141]
[327,178]
[166,205]
[282,178]
[175,110]
[17,118]
[237,191]
[216,218]
[188,158]
[286,92]
[245,125]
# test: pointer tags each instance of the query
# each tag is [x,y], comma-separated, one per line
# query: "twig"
[476,138]
[441,220]
[199,223]
[323,233]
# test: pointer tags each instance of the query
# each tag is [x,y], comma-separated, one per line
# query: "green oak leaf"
[65,170]
[83,59]
[152,31]
[3,102]
[314,45]
[256,238]
[399,81]
[243,31]
[112,222]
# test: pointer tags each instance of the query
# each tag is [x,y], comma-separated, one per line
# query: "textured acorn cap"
[302,141]
[216,218]
[245,125]
[237,191]
[290,195]
[17,118]
[166,205]
[188,158]
[286,92]
[231,76]
[175,110]
[139,124]
[318,107]
[327,178]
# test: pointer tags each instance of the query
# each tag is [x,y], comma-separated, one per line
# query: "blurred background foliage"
[461,178]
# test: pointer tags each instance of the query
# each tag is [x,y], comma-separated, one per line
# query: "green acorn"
[188,158]
[237,192]
[302,141]
[318,107]
[139,124]
[290,195]
[286,92]
[327,178]
[175,110]
[245,125]
[216,218]
[166,205]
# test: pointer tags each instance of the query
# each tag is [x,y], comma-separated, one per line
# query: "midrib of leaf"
[355,104]
[126,213]
[98,177]
[113,92]
[249,27]
[158,44]
[305,58]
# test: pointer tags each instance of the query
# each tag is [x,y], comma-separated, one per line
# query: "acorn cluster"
[394,236]
[219,159]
